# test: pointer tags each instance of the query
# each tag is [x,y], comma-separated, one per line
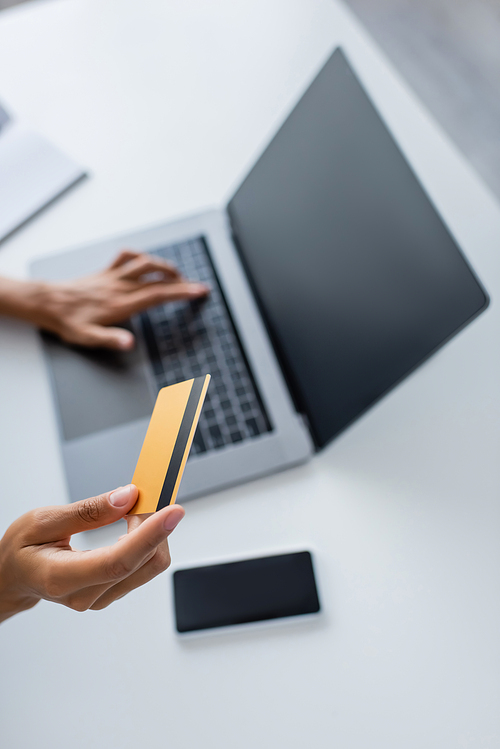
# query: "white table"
[167,104]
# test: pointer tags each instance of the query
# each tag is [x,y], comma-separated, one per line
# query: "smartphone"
[251,590]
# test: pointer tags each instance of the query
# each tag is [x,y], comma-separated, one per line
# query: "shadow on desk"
[276,629]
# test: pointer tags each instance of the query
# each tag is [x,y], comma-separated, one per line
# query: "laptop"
[332,278]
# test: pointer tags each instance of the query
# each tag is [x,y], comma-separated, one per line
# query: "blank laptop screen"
[356,275]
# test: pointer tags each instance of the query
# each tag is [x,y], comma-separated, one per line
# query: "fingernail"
[172,520]
[120,497]
[125,339]
[199,288]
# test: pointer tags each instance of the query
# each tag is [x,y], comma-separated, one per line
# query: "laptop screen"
[356,276]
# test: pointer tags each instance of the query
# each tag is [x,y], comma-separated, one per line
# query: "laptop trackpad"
[96,389]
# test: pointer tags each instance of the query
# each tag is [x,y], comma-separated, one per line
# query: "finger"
[74,570]
[100,336]
[47,525]
[84,599]
[133,522]
[151,569]
[81,600]
[151,296]
[144,264]
[124,257]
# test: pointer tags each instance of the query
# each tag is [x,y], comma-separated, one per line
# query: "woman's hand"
[37,561]
[84,311]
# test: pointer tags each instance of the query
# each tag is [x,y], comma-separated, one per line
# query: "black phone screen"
[251,590]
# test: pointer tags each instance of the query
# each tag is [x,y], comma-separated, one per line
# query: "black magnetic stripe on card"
[181,443]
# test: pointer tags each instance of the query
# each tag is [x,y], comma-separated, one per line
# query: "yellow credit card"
[166,447]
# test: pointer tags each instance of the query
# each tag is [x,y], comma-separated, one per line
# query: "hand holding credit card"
[167,444]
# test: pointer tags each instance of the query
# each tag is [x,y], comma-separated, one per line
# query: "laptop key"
[188,339]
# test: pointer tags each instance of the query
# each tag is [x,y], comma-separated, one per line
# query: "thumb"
[104,337]
[55,523]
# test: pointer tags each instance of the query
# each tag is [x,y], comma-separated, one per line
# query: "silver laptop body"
[332,242]
[89,390]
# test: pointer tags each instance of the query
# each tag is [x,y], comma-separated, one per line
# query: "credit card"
[166,447]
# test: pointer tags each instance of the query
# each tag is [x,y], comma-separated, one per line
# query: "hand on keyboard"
[84,311]
[185,340]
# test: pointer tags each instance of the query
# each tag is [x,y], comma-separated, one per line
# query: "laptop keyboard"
[190,339]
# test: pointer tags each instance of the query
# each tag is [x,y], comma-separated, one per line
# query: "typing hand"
[37,561]
[84,311]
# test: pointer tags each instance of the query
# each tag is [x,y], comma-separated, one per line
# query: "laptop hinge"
[292,389]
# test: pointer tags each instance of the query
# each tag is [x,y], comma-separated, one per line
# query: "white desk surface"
[168,104]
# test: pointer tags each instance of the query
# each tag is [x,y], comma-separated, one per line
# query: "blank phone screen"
[251,590]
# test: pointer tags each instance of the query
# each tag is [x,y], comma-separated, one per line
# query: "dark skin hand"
[36,558]
[37,561]
[85,311]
